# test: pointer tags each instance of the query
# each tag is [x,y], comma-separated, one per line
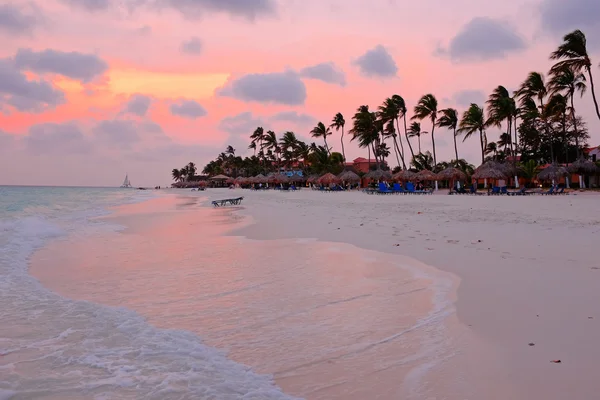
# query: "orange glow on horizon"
[165,84]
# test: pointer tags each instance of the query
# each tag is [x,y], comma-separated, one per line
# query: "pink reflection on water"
[327,320]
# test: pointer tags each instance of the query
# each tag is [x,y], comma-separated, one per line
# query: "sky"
[93,89]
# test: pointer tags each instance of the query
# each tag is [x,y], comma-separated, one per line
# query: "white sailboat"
[126,182]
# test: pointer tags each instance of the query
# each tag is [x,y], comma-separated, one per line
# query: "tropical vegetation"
[538,124]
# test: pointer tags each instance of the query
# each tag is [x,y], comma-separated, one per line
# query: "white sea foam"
[53,347]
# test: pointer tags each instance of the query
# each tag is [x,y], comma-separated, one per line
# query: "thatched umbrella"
[404,176]
[379,175]
[349,176]
[219,178]
[328,179]
[260,178]
[583,167]
[281,178]
[426,175]
[451,173]
[312,179]
[552,172]
[490,170]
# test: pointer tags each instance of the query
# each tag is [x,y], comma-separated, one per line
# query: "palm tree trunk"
[412,153]
[399,152]
[369,148]
[419,137]
[396,151]
[455,146]
[566,141]
[589,70]
[401,145]
[482,146]
[508,133]
[516,139]
[574,117]
[433,143]
[342,140]
[326,147]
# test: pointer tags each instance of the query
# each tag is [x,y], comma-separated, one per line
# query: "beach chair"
[549,192]
[383,189]
[522,192]
[504,190]
[410,188]
[225,202]
[560,191]
[398,189]
[495,191]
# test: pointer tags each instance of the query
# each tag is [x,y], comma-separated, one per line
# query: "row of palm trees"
[541,113]
[186,173]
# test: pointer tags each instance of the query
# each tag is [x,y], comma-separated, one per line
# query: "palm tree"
[269,142]
[473,120]
[573,53]
[566,80]
[556,109]
[389,113]
[230,150]
[365,130]
[401,105]
[322,131]
[338,123]
[415,131]
[176,174]
[449,119]
[501,107]
[183,172]
[423,161]
[427,108]
[534,87]
[491,147]
[191,170]
[253,147]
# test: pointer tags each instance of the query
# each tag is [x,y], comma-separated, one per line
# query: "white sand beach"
[421,297]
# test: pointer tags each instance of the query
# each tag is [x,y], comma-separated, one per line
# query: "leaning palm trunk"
[433,143]
[398,152]
[326,147]
[589,71]
[455,146]
[412,153]
[401,145]
[342,140]
[508,133]
[482,147]
[574,117]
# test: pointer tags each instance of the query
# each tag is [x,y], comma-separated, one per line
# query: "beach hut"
[404,176]
[427,175]
[490,170]
[553,172]
[328,179]
[379,175]
[349,176]
[583,167]
[452,174]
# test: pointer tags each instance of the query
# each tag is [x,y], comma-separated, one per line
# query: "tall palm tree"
[573,53]
[557,109]
[365,130]
[338,123]
[389,113]
[401,105]
[427,108]
[491,147]
[230,150]
[534,87]
[473,120]
[566,80]
[415,131]
[501,107]
[322,131]
[449,119]
[191,170]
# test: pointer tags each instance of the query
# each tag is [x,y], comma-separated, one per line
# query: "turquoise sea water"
[52,347]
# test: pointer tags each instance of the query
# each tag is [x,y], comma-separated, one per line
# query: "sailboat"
[126,182]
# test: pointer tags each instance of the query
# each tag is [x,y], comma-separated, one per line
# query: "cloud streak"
[276,88]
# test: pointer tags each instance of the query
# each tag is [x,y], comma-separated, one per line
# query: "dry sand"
[529,269]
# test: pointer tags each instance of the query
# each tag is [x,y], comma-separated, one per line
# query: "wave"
[54,347]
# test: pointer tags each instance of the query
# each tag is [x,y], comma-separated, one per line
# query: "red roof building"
[361,164]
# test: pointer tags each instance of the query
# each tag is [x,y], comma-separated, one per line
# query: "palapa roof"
[553,172]
[349,176]
[583,167]
[219,178]
[490,170]
[452,173]
[404,175]
[328,179]
[260,178]
[379,174]
[426,175]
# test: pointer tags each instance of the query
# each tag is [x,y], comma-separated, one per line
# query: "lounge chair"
[549,192]
[398,189]
[383,189]
[503,190]
[224,202]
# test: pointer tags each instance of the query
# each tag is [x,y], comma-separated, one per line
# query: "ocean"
[52,347]
[126,294]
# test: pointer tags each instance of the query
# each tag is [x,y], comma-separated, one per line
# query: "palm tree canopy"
[426,108]
[473,120]
[400,104]
[338,122]
[533,86]
[566,80]
[501,106]
[572,52]
[414,130]
[449,119]
[320,130]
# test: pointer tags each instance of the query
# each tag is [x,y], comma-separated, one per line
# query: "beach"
[349,296]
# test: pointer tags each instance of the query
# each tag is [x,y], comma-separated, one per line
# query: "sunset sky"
[93,89]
